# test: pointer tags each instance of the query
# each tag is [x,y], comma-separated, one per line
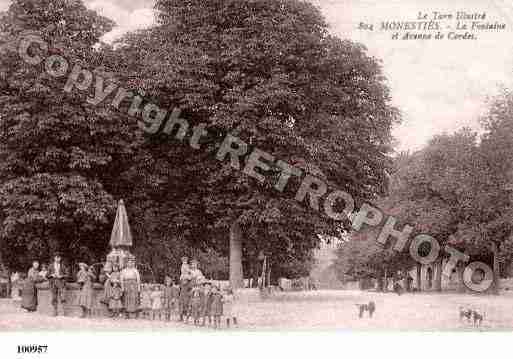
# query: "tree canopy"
[266,71]
[59,158]
[269,73]
[456,189]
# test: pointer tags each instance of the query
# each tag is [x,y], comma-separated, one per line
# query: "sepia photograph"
[243,167]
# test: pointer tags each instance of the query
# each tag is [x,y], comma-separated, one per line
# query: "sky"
[439,86]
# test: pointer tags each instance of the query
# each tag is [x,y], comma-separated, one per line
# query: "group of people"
[56,274]
[122,289]
[202,300]
[190,298]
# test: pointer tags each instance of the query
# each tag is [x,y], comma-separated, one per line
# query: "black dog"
[362,308]
[465,313]
[477,317]
[398,289]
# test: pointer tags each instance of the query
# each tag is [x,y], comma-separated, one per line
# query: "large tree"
[268,72]
[59,156]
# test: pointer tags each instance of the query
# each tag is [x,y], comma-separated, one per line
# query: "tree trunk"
[419,277]
[262,277]
[461,285]
[507,268]
[496,275]
[236,277]
[251,272]
[438,275]
[385,282]
[6,271]
[9,284]
[255,273]
[268,274]
[379,283]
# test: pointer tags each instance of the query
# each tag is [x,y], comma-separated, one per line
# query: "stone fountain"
[120,243]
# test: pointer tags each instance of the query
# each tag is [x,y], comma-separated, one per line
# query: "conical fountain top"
[121,235]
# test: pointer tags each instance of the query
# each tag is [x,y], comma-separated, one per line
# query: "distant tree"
[492,207]
[456,190]
[432,188]
[364,257]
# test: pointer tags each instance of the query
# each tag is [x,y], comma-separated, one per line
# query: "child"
[216,306]
[113,276]
[167,294]
[171,295]
[145,305]
[228,304]
[107,285]
[206,303]
[195,310]
[183,300]
[156,302]
[175,298]
[44,272]
[185,269]
[115,304]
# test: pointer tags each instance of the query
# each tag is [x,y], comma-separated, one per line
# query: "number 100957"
[32,349]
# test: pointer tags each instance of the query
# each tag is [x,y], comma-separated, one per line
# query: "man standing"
[57,274]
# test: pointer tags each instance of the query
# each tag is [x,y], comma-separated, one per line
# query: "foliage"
[456,189]
[59,157]
[266,71]
[269,73]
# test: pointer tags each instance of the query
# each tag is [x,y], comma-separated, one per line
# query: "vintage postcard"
[224,166]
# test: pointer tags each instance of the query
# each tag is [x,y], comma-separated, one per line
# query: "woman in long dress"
[131,286]
[86,277]
[29,291]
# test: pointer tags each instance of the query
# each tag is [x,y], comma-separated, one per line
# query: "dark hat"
[57,254]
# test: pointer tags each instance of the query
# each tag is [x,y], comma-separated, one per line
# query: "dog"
[398,289]
[369,307]
[465,313]
[477,318]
